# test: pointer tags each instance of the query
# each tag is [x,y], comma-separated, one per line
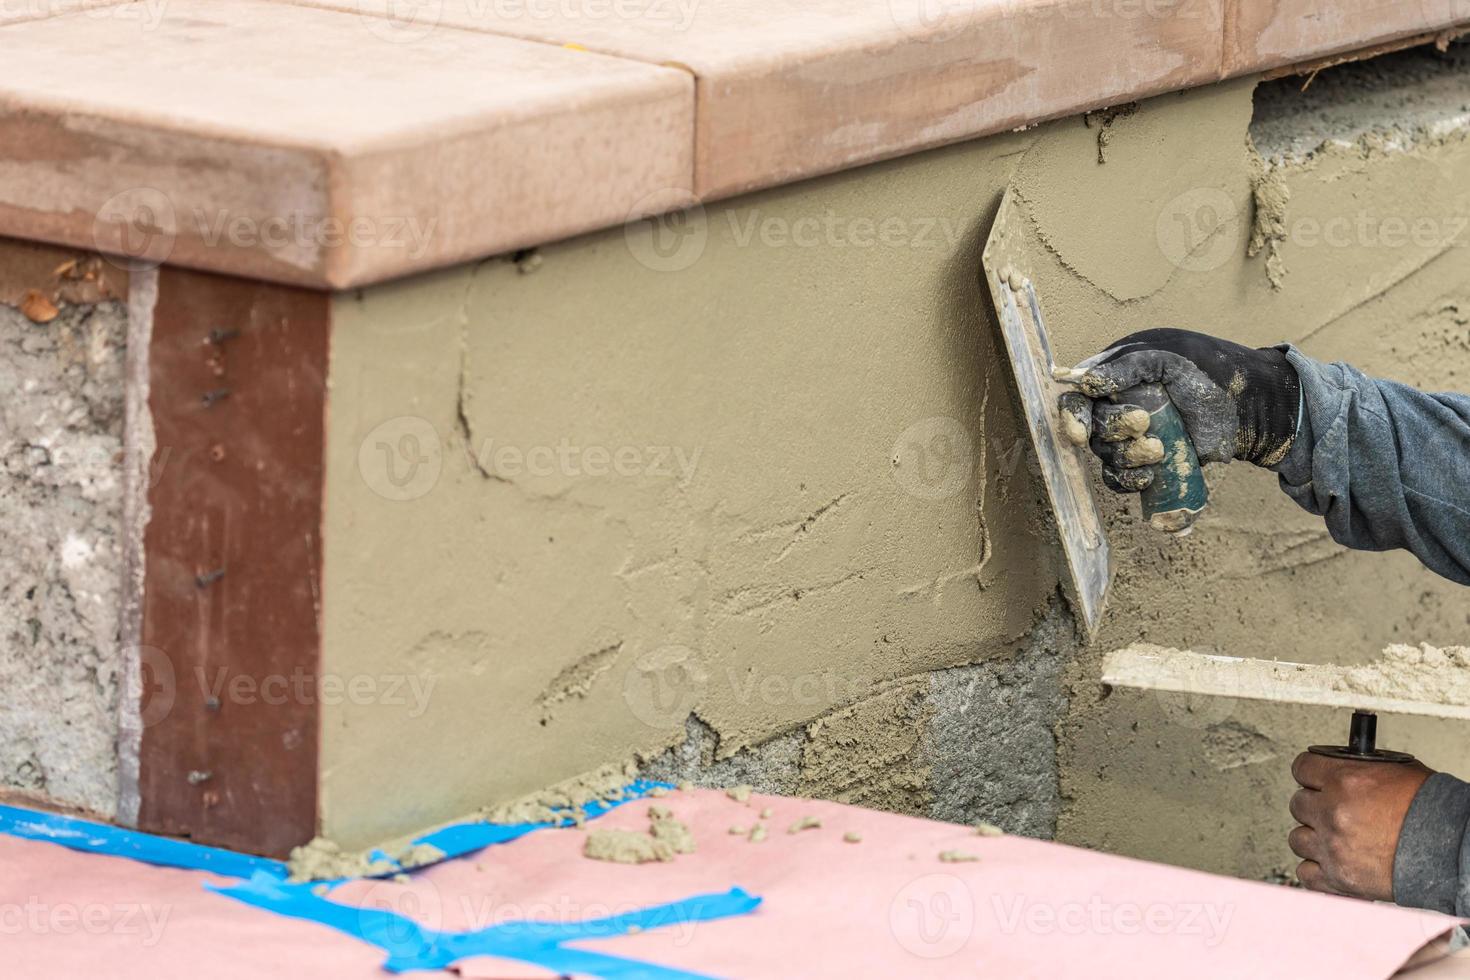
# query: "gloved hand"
[1236,403]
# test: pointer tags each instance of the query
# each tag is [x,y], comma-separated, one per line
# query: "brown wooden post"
[231,627]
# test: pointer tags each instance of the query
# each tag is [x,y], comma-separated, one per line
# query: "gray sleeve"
[1386,465]
[1428,860]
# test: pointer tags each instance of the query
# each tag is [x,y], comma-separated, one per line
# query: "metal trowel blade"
[1007,272]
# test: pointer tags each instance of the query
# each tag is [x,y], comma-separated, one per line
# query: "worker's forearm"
[1431,869]
[1388,466]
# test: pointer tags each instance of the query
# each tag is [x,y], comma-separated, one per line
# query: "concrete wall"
[1374,269]
[704,470]
[742,493]
[61,488]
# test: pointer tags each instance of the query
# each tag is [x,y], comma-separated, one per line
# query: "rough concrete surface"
[774,766]
[1394,102]
[964,744]
[61,423]
[825,529]
[991,741]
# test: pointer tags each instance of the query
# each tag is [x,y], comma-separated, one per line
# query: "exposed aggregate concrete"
[61,422]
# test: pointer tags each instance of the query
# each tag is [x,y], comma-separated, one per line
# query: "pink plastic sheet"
[886,906]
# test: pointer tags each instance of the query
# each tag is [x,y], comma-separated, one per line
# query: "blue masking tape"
[99,838]
[411,946]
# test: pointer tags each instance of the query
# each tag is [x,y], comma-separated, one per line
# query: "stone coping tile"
[387,137]
[304,146]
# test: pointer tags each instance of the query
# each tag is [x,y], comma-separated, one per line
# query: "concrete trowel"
[1084,541]
[1177,493]
[1173,501]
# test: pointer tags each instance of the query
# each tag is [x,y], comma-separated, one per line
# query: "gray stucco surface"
[61,423]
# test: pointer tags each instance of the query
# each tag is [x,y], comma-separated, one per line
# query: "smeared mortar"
[1414,673]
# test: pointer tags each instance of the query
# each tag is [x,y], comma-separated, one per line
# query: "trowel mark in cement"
[795,531]
[576,680]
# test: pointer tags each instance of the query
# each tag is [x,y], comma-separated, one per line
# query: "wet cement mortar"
[951,699]
[61,424]
[980,741]
[965,744]
[1203,781]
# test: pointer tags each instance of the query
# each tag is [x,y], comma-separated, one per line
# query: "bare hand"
[1350,814]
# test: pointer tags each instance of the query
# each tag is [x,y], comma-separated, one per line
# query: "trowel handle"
[1178,492]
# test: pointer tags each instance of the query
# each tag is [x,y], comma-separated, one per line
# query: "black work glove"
[1237,403]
